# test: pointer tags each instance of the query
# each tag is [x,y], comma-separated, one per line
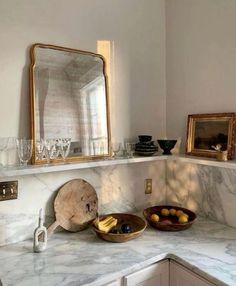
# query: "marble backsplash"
[119,188]
[209,191]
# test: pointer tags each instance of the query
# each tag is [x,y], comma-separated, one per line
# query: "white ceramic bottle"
[40,235]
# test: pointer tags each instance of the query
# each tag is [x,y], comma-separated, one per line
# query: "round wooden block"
[75,206]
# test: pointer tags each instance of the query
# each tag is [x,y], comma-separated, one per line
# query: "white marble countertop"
[208,248]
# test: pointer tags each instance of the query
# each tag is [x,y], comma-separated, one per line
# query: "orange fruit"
[183,218]
[179,213]
[154,218]
[172,212]
[165,212]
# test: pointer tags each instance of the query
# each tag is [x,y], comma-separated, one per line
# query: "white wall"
[137,29]
[201,71]
[201,60]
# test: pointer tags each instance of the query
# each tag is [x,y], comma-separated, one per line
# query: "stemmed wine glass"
[51,149]
[40,149]
[65,147]
[130,149]
[116,148]
[24,147]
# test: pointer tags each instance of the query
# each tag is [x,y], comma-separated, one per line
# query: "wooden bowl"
[168,223]
[137,224]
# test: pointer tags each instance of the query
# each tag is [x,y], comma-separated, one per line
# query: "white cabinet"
[164,273]
[181,276]
[118,282]
[154,275]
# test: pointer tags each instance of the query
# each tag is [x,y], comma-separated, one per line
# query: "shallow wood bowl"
[174,225]
[137,224]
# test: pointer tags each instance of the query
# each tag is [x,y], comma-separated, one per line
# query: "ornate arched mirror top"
[69,105]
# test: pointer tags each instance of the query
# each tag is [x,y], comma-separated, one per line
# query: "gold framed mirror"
[69,105]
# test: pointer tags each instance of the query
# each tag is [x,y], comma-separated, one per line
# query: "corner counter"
[208,248]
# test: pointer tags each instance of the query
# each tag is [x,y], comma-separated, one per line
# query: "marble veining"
[207,190]
[119,188]
[208,248]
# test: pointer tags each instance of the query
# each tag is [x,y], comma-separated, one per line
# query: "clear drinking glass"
[116,148]
[3,147]
[11,152]
[51,149]
[64,144]
[24,147]
[40,149]
[130,149]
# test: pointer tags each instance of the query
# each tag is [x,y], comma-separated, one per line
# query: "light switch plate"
[8,190]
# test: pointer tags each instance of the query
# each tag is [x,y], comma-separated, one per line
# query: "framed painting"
[207,133]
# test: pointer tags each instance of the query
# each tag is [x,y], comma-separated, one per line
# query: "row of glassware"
[11,147]
[50,149]
[45,149]
[125,150]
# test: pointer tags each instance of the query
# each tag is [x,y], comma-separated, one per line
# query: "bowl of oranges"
[169,218]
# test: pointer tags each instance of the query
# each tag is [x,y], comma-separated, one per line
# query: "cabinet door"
[154,275]
[118,282]
[181,276]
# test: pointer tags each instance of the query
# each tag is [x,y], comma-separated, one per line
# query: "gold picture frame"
[206,131]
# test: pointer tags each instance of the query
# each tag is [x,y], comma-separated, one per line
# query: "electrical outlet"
[8,190]
[148,186]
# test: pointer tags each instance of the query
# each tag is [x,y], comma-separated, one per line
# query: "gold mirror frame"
[33,105]
[206,131]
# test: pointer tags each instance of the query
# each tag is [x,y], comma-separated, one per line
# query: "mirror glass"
[69,104]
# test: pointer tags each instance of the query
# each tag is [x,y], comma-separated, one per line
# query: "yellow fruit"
[154,218]
[179,213]
[165,212]
[186,215]
[183,218]
[172,212]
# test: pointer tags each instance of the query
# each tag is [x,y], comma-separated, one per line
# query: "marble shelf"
[204,161]
[37,169]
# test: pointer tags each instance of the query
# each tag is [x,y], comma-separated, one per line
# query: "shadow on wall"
[208,191]
[180,187]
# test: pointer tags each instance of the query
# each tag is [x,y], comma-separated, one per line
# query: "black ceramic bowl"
[166,145]
[145,138]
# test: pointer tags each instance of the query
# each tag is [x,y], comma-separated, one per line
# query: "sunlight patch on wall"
[104,49]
